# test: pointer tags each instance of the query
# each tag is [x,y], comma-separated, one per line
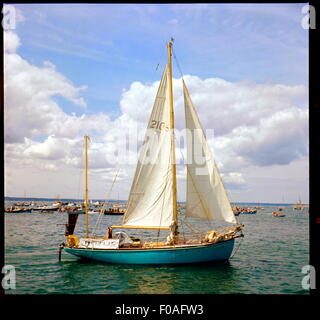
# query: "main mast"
[86,139]
[173,161]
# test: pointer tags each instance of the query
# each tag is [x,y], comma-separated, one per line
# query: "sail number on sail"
[159,125]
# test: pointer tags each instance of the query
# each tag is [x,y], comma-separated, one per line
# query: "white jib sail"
[150,202]
[206,195]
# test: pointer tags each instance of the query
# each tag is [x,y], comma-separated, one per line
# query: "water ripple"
[269,261]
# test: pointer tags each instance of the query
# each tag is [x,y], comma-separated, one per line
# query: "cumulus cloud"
[260,124]
[254,124]
[137,101]
[233,180]
[11,42]
[278,139]
[28,96]
[224,105]
[49,149]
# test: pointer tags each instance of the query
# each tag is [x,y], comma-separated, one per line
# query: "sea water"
[267,260]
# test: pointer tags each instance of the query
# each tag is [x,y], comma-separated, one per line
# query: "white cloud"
[260,125]
[137,101]
[11,42]
[173,21]
[51,149]
[255,124]
[225,105]
[46,150]
[30,109]
[278,139]
[234,177]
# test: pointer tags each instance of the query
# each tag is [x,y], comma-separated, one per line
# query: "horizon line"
[105,200]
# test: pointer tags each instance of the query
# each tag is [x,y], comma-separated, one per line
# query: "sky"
[93,69]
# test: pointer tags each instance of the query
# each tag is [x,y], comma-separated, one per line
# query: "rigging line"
[183,232]
[196,232]
[178,65]
[238,219]
[168,170]
[202,202]
[108,197]
[235,251]
[79,182]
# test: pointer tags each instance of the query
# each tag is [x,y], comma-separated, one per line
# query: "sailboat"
[152,203]
[298,205]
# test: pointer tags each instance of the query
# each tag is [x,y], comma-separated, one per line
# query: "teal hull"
[191,254]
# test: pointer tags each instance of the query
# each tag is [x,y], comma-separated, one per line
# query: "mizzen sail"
[206,195]
[150,201]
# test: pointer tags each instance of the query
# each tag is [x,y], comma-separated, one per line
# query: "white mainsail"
[150,202]
[206,195]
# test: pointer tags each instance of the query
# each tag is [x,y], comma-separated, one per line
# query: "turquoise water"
[268,260]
